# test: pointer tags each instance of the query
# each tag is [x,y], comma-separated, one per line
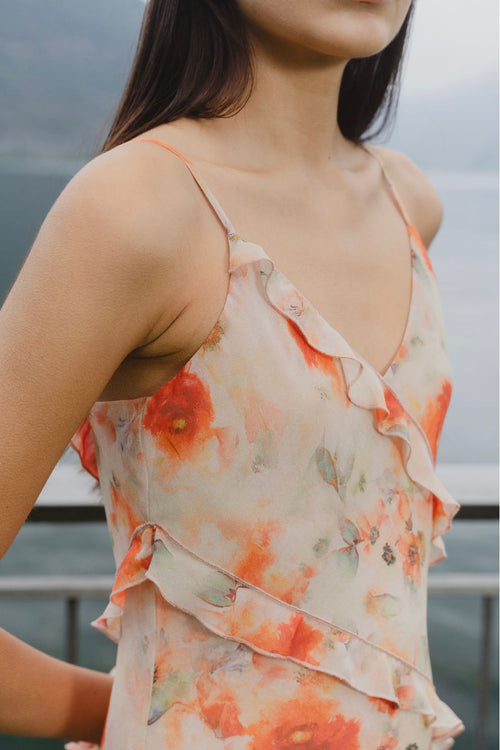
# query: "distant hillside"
[63,66]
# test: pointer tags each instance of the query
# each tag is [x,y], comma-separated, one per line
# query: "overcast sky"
[453,41]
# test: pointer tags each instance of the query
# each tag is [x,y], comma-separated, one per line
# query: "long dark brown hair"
[193,59]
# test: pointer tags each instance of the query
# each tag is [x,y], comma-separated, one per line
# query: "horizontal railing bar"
[71,495]
[471,484]
[91,513]
[67,514]
[478,511]
[463,584]
[55,586]
[97,586]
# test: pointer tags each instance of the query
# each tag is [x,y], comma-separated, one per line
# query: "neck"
[290,117]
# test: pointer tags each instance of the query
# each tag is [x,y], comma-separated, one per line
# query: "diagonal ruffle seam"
[236,610]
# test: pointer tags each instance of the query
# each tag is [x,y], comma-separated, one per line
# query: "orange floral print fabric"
[274,510]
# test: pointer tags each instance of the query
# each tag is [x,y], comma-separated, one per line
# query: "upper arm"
[93,288]
[419,196]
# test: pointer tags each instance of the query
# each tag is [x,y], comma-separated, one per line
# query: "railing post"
[484,674]
[72,630]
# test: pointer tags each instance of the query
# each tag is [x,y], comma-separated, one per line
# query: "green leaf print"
[321,546]
[218,589]
[346,561]
[326,466]
[175,687]
[345,474]
[388,605]
[350,532]
[331,471]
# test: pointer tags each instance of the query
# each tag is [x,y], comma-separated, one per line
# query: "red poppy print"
[404,508]
[304,723]
[369,524]
[180,415]
[257,554]
[314,358]
[292,594]
[406,694]
[384,706]
[122,514]
[409,547]
[272,513]
[396,416]
[304,639]
[439,514]
[294,638]
[300,637]
[83,443]
[433,418]
[219,709]
[133,566]
[389,742]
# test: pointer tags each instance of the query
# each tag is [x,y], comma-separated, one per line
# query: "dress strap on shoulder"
[224,219]
[392,188]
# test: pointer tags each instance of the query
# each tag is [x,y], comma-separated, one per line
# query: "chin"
[344,29]
[351,39]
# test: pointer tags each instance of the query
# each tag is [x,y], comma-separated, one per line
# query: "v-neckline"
[316,314]
[411,230]
[232,235]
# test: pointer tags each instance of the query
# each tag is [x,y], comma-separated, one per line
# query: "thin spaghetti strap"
[392,188]
[201,182]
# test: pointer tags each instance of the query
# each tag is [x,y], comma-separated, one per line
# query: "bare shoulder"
[135,193]
[105,273]
[142,220]
[421,199]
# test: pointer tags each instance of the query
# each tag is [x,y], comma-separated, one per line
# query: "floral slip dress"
[274,510]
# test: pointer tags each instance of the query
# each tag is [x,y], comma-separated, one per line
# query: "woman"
[261,401]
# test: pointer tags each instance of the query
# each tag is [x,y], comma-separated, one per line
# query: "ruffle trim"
[234,609]
[366,388]
[83,443]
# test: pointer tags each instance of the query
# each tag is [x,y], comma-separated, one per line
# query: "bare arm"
[93,288]
[59,700]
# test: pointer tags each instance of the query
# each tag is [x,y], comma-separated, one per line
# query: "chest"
[354,266]
[357,274]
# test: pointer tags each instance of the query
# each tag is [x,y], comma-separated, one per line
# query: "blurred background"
[63,66]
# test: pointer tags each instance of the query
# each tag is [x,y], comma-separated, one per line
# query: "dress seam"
[286,605]
[146,462]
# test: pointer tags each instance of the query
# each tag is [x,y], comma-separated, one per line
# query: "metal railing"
[72,495]
[74,588]
[475,487]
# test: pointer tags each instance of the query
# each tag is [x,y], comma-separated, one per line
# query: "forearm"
[41,696]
